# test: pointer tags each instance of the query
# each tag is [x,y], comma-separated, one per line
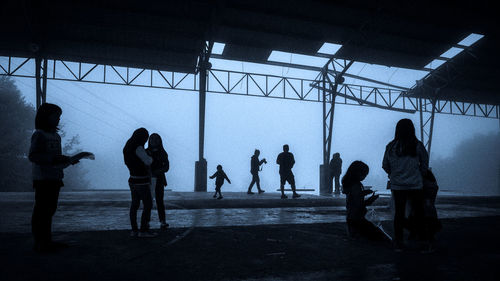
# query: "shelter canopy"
[169,35]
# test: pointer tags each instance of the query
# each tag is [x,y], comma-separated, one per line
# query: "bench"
[298,189]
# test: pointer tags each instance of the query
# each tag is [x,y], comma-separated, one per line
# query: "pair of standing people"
[285,160]
[146,166]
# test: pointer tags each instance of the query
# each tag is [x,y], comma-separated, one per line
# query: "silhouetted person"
[254,170]
[48,164]
[138,163]
[219,176]
[335,171]
[405,160]
[286,161]
[431,222]
[357,224]
[159,167]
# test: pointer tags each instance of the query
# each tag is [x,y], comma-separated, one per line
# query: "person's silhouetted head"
[286,148]
[219,167]
[356,173]
[336,155]
[155,141]
[405,137]
[47,117]
[140,137]
[256,153]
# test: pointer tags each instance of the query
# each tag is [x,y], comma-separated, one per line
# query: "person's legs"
[147,201]
[291,181]
[218,190]
[282,185]
[251,185]
[257,181]
[160,205]
[46,197]
[399,216]
[40,218]
[337,184]
[416,198]
[52,207]
[136,202]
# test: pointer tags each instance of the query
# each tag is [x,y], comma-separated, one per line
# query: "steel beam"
[244,84]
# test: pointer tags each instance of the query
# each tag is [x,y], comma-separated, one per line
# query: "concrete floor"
[108,210]
[242,238]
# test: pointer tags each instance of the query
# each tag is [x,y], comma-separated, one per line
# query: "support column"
[325,182]
[324,172]
[200,168]
[41,80]
[427,124]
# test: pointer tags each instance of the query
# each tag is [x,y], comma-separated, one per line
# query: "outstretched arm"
[225,176]
[213,176]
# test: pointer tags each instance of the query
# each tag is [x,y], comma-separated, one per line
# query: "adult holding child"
[405,161]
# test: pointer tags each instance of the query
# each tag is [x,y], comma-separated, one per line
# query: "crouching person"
[357,224]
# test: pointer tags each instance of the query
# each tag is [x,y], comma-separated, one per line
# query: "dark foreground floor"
[468,249]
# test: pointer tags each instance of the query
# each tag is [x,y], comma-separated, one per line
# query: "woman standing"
[48,164]
[159,167]
[405,160]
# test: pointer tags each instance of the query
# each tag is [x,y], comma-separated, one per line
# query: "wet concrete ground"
[243,238]
[108,210]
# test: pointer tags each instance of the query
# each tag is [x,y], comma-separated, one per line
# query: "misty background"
[100,118]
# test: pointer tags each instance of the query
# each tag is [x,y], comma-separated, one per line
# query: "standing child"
[159,167]
[48,164]
[219,176]
[357,224]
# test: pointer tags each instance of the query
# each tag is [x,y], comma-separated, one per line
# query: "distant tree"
[474,167]
[17,125]
[74,176]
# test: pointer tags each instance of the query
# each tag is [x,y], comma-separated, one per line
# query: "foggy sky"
[105,116]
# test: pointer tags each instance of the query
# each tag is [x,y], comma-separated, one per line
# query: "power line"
[68,120]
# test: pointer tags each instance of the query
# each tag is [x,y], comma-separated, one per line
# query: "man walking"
[254,170]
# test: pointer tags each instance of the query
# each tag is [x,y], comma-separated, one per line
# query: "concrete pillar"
[325,184]
[200,178]
[200,166]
